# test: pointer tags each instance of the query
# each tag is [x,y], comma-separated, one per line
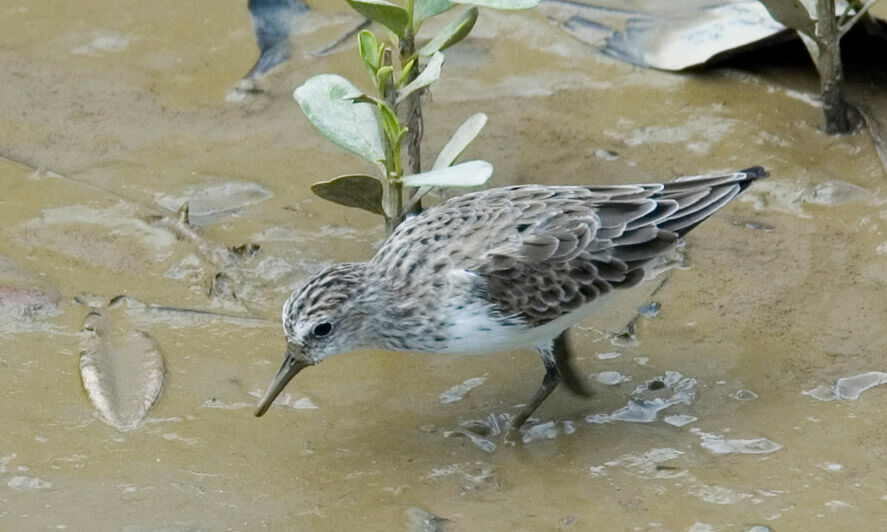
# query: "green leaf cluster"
[368,124]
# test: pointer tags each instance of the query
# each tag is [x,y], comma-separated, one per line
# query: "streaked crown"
[328,315]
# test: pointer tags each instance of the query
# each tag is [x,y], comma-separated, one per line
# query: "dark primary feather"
[542,251]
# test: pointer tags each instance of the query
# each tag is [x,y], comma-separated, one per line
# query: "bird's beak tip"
[293,362]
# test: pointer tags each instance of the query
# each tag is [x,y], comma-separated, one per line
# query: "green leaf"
[507,5]
[390,124]
[370,51]
[470,174]
[426,78]
[453,33]
[460,140]
[351,125]
[356,190]
[389,15]
[425,9]
[382,77]
[407,68]
[793,14]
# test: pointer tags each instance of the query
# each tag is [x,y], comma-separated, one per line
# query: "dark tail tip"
[756,172]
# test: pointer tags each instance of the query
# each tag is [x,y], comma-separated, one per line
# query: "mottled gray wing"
[569,245]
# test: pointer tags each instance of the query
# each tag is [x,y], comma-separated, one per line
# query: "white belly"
[473,330]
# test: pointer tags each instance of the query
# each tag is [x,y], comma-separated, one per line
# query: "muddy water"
[110,111]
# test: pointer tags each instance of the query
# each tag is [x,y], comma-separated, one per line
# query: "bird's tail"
[699,197]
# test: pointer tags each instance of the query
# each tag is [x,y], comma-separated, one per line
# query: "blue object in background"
[273,23]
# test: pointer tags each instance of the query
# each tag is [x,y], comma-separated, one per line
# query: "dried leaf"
[356,190]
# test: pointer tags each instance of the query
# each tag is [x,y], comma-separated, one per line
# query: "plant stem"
[840,116]
[413,112]
[393,196]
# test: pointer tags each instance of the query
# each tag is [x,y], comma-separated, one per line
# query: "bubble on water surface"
[606,155]
[611,378]
[679,420]
[835,193]
[103,41]
[651,310]
[647,464]
[721,495]
[831,466]
[852,387]
[744,395]
[420,520]
[546,431]
[848,387]
[458,392]
[823,392]
[5,460]
[22,483]
[718,445]
[651,397]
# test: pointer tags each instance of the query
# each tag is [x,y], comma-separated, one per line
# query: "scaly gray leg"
[556,357]
[562,356]
[549,383]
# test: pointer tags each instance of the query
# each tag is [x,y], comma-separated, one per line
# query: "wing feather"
[539,251]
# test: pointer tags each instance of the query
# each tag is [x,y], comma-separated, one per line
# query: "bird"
[495,270]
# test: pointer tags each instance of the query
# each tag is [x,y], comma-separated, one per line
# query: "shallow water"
[110,116]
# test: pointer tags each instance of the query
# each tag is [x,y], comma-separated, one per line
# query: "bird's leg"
[549,383]
[572,380]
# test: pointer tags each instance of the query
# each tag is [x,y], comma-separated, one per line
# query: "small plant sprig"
[821,31]
[379,126]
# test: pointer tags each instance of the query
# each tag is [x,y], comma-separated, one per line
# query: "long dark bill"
[293,363]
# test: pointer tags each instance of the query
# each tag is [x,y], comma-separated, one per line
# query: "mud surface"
[112,114]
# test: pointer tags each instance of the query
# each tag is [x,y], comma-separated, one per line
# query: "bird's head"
[327,316]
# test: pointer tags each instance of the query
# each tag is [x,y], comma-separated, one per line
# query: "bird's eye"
[323,329]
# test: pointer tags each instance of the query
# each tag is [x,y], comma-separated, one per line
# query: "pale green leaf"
[382,76]
[389,15]
[453,33]
[357,190]
[351,125]
[405,71]
[460,140]
[470,174]
[424,9]
[429,75]
[793,14]
[501,4]
[369,50]
[390,123]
